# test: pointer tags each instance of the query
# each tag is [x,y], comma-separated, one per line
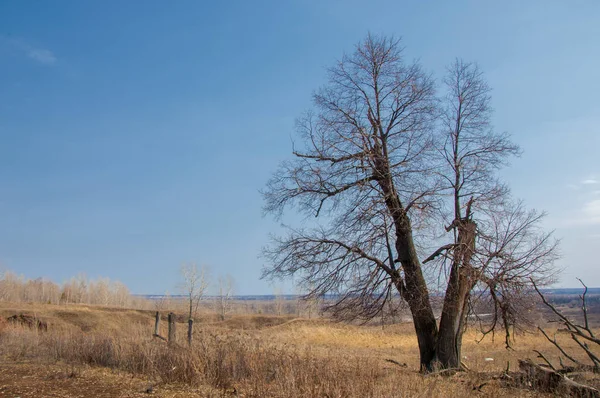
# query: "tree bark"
[414,290]
[416,293]
[452,321]
[190,331]
[454,311]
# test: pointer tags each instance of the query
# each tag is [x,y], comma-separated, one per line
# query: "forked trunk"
[452,325]
[439,348]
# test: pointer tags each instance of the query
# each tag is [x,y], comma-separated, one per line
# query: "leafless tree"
[279,301]
[311,305]
[163,303]
[386,163]
[224,295]
[196,281]
[77,290]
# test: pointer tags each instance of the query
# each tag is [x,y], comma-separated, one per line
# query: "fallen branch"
[402,365]
[159,336]
[547,380]
[542,356]
[445,372]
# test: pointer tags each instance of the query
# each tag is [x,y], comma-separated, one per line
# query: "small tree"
[195,283]
[163,303]
[279,301]
[312,306]
[224,295]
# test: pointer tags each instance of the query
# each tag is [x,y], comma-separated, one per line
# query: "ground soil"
[28,380]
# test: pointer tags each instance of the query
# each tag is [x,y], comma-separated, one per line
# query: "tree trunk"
[454,312]
[190,331]
[452,322]
[414,288]
[416,294]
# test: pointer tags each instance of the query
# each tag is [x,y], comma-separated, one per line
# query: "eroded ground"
[29,380]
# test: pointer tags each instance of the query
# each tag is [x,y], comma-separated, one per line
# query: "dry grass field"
[92,351]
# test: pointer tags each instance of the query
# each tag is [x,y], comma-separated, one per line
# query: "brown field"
[105,352]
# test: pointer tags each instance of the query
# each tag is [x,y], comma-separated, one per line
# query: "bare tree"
[279,301]
[310,304]
[224,295]
[386,163]
[196,281]
[120,294]
[163,303]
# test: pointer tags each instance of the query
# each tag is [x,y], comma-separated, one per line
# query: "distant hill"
[592,291]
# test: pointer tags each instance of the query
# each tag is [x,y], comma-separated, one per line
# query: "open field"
[104,352]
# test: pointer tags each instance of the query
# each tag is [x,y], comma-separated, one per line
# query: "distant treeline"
[77,290]
[559,298]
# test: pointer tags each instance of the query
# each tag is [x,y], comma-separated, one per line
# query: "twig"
[159,336]
[402,365]
[587,350]
[555,343]
[540,355]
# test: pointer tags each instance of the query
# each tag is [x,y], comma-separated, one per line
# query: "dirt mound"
[28,320]
[254,322]
[295,322]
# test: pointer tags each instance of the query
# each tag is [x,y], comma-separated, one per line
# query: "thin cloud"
[590,181]
[591,211]
[583,215]
[40,55]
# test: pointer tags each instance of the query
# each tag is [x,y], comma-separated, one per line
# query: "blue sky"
[136,135]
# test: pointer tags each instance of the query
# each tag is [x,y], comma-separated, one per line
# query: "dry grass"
[259,356]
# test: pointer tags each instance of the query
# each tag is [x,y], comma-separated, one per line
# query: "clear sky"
[135,135]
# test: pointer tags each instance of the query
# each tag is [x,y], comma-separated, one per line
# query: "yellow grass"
[261,355]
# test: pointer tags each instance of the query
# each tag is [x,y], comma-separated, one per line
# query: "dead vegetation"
[29,321]
[261,356]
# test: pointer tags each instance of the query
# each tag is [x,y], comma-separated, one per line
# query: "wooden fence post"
[157,324]
[190,330]
[171,328]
